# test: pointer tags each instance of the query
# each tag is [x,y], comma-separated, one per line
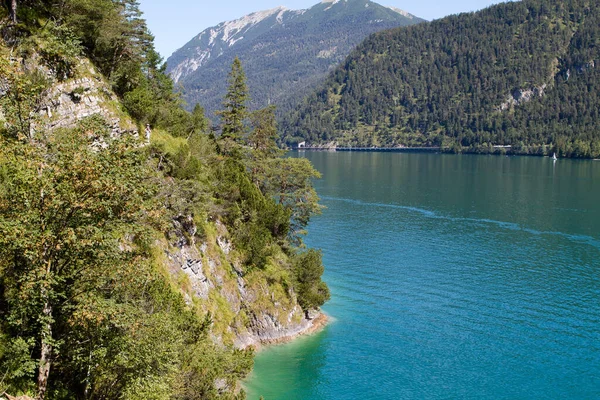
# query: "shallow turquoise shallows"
[452,277]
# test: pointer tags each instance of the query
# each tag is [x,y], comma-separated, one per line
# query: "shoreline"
[434,150]
[312,326]
[373,149]
[316,324]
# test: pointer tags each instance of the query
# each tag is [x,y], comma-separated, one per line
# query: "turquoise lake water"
[452,277]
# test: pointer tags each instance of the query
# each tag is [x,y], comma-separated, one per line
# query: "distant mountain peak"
[330,2]
[213,42]
[233,29]
[401,12]
[284,51]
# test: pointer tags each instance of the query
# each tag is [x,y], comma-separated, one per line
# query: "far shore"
[497,151]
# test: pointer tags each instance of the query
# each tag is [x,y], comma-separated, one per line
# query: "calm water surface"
[468,277]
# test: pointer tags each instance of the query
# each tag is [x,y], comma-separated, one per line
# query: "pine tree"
[263,138]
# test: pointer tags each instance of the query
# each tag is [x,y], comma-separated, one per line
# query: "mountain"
[285,53]
[520,74]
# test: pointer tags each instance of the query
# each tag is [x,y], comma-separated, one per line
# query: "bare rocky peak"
[285,52]
[401,12]
[213,42]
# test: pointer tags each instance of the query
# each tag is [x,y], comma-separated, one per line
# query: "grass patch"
[170,144]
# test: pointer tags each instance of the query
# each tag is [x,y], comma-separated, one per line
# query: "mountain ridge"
[284,52]
[224,29]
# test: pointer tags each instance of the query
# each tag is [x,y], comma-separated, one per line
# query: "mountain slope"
[522,74]
[284,52]
[214,41]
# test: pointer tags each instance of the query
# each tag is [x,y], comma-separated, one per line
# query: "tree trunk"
[86,392]
[46,342]
[44,368]
[13,11]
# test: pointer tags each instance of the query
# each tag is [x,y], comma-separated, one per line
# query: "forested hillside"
[523,74]
[140,255]
[286,53]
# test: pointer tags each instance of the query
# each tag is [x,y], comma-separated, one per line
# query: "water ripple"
[583,239]
[445,299]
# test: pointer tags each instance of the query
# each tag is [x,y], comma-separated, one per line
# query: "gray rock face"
[64,103]
[266,329]
[213,271]
[224,244]
[521,96]
[70,101]
[189,260]
[194,265]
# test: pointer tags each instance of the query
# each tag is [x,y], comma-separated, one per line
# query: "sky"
[176,22]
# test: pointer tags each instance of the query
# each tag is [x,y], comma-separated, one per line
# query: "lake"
[452,276]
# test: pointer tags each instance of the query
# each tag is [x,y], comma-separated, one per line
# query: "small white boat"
[554,158]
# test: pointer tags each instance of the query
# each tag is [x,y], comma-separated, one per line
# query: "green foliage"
[112,32]
[62,211]
[208,366]
[311,290]
[139,102]
[114,36]
[256,219]
[263,137]
[515,73]
[23,96]
[234,112]
[263,142]
[162,142]
[87,310]
[18,367]
[186,124]
[76,274]
[58,47]
[186,165]
[289,182]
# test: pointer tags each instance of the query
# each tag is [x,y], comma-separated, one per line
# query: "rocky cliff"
[247,308]
[133,266]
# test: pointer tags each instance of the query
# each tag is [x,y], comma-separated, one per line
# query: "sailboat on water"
[554,158]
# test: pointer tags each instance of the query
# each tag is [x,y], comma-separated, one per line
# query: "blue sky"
[175,22]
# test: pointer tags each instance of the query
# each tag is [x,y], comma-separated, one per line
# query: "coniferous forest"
[521,74]
[93,213]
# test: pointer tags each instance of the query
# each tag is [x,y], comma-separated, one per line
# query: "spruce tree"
[234,111]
